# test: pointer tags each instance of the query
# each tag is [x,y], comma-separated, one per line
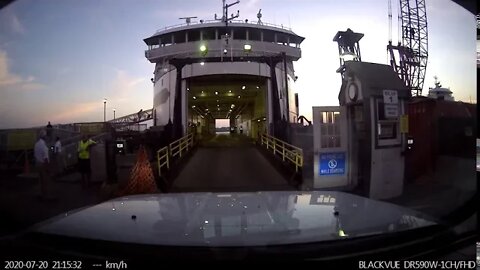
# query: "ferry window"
[254,34]
[179,37]
[193,35]
[282,39]
[166,40]
[240,34]
[208,34]
[269,36]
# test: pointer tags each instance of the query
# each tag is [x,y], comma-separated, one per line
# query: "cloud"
[128,93]
[75,112]
[252,3]
[124,86]
[10,23]
[64,70]
[121,94]
[16,25]
[12,81]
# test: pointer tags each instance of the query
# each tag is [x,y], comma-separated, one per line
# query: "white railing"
[174,149]
[288,152]
[190,49]
[281,26]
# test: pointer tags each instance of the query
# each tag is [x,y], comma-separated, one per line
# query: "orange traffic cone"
[141,178]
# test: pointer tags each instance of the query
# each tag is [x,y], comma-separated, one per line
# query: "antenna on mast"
[225,17]
[188,20]
[259,16]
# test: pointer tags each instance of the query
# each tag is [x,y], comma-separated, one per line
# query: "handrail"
[175,148]
[162,154]
[281,26]
[287,151]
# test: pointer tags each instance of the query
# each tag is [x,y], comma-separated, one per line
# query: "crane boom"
[412,52]
[389,21]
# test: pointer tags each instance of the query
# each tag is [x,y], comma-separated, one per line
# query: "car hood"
[233,219]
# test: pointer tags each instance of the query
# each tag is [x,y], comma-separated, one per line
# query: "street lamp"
[113,114]
[104,110]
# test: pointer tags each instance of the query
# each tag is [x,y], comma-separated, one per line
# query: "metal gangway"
[132,121]
[179,170]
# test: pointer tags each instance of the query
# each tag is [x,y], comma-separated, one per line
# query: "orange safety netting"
[141,178]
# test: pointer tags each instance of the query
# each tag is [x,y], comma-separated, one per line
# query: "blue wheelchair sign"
[332,163]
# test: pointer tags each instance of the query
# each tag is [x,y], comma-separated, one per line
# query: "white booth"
[359,145]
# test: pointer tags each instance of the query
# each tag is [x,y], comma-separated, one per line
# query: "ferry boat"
[224,68]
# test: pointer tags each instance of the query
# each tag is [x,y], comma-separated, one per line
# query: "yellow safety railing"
[287,151]
[176,148]
[163,159]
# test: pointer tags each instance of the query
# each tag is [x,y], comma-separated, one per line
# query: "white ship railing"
[281,26]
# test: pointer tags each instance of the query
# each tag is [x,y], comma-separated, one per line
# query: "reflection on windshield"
[263,218]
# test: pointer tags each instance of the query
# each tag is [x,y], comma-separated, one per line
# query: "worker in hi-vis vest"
[84,147]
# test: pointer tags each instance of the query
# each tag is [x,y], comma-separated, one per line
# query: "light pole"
[104,110]
[113,114]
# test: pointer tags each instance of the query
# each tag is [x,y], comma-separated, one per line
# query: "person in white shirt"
[58,157]
[58,146]
[42,163]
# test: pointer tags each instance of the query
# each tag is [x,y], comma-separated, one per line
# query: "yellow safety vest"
[83,152]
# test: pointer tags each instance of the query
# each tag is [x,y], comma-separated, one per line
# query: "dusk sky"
[59,59]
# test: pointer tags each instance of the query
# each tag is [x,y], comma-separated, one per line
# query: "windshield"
[328,120]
